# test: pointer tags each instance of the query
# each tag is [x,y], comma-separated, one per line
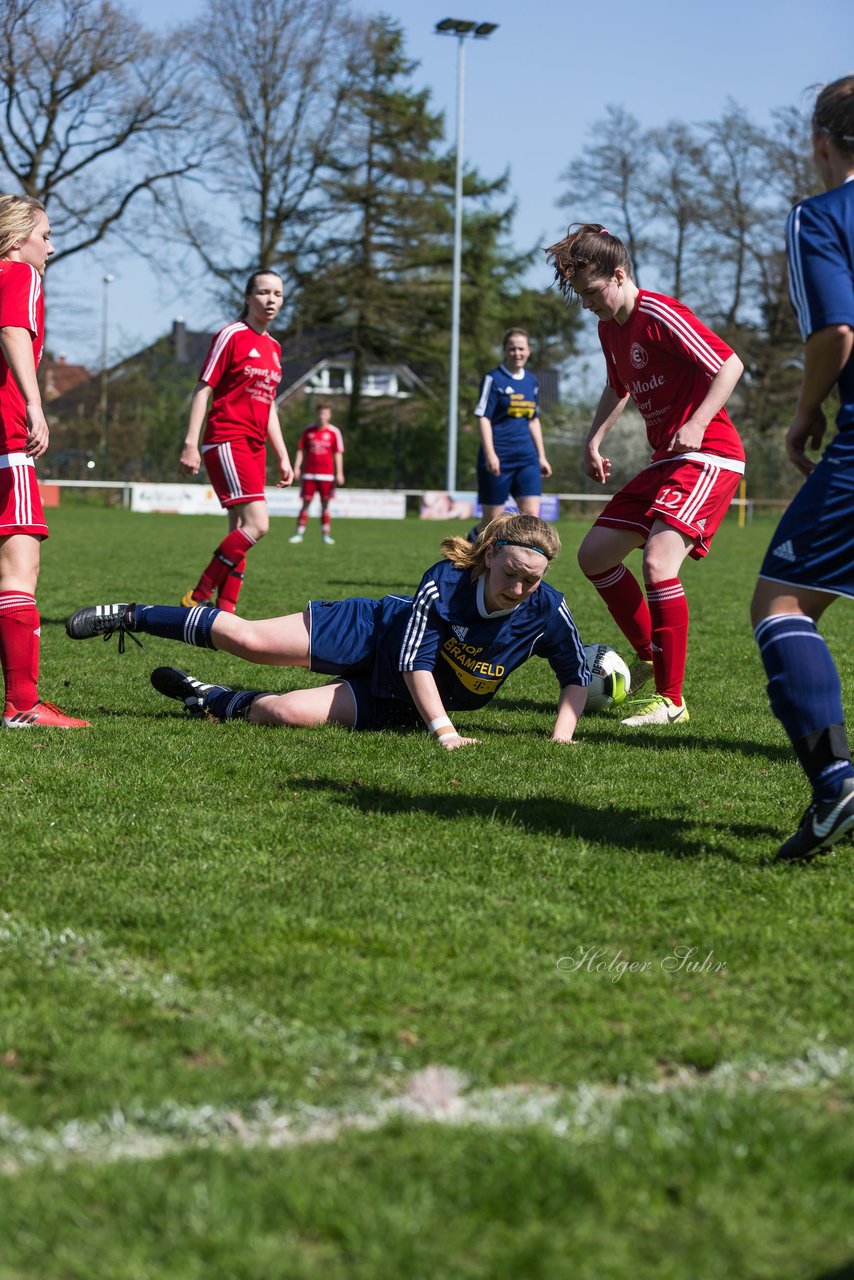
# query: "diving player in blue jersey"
[511,458]
[811,557]
[477,615]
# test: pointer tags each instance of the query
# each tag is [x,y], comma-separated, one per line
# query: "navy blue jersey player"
[477,615]
[810,561]
[511,459]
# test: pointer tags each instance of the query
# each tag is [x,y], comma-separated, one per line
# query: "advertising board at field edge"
[200,499]
[438,504]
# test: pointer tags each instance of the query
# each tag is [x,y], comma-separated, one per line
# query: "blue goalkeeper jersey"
[820,243]
[510,402]
[445,628]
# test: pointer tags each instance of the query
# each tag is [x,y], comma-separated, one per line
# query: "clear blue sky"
[533,89]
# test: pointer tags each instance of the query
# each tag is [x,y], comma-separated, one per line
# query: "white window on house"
[380,382]
[332,379]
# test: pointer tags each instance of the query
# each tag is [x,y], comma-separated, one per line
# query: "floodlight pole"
[106,280]
[461,29]
[456,288]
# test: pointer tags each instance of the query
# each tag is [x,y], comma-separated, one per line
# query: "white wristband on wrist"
[441,728]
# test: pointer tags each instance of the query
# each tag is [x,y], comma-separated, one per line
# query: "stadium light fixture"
[455,27]
[461,28]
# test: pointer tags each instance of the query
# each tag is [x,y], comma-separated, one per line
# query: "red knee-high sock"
[229,592]
[228,554]
[325,521]
[302,520]
[669,611]
[622,593]
[20,634]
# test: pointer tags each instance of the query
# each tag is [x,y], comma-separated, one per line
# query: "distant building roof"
[58,376]
[316,361]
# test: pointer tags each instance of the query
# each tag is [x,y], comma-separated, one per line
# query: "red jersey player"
[241,373]
[25,247]
[321,449]
[679,375]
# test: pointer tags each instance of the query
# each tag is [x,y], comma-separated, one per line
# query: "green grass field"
[286,1004]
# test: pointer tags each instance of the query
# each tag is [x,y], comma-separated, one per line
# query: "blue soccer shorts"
[342,642]
[814,542]
[522,480]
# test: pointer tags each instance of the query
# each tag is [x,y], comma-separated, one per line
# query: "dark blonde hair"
[519,531]
[264,271]
[523,333]
[586,245]
[17,218]
[834,114]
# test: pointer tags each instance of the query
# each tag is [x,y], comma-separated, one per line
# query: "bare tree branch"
[97,111]
[275,75]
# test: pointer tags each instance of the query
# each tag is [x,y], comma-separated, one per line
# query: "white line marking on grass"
[435,1095]
[88,956]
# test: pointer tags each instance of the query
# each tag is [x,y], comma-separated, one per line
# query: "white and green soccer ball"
[611,678]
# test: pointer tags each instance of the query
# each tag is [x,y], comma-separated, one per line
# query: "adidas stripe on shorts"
[813,545]
[237,470]
[20,501]
[691,494]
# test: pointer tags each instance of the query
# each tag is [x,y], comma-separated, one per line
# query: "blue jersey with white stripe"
[445,628]
[820,243]
[510,401]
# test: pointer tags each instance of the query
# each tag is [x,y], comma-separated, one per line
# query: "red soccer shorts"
[309,487]
[691,496]
[237,470]
[20,503]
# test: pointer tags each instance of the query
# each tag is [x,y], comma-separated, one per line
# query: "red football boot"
[44,715]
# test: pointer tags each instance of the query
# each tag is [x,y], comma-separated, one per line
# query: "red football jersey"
[319,446]
[244,368]
[21,307]
[665,358]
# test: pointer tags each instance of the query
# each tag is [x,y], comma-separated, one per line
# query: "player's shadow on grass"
[679,837]
[693,742]
[609,729]
[55,622]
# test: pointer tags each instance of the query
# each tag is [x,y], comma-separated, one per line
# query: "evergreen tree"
[383,191]
[385,271]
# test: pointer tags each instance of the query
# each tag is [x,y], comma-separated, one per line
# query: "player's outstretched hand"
[38,435]
[597,467]
[805,430]
[453,740]
[688,437]
[190,460]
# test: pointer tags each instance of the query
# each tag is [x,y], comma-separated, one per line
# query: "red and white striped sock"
[669,612]
[229,592]
[227,556]
[622,593]
[20,635]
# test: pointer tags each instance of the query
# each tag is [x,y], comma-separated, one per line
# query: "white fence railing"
[374,504]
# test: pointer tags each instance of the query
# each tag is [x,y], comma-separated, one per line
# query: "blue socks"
[171,622]
[806,697]
[193,626]
[229,704]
